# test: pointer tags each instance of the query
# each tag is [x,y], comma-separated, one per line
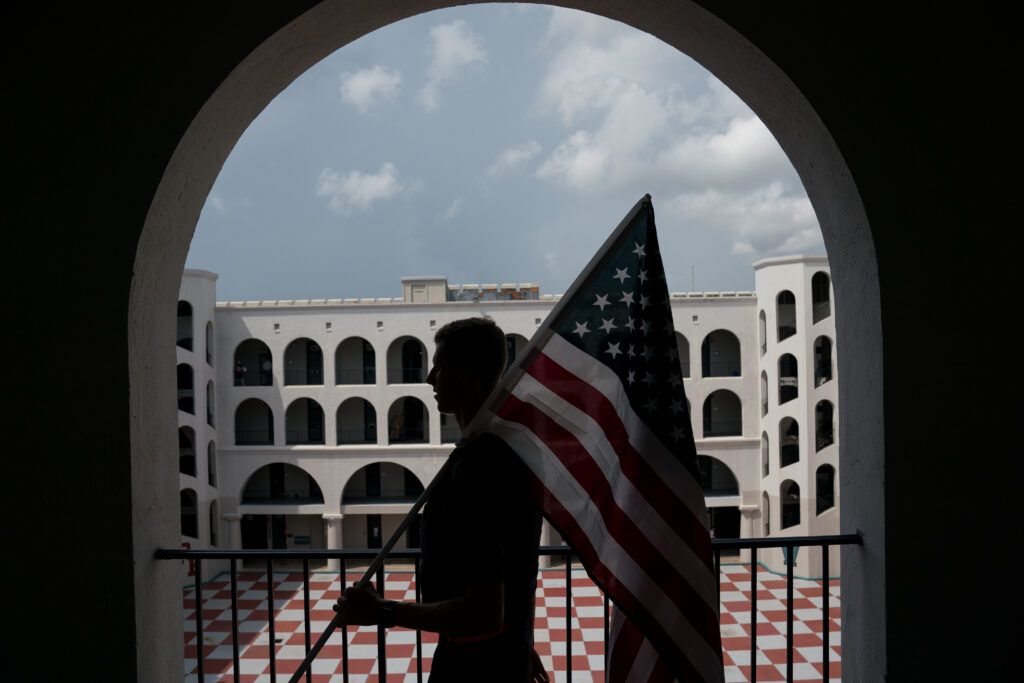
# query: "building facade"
[309,424]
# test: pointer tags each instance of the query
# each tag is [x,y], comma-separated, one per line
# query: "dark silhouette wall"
[918,102]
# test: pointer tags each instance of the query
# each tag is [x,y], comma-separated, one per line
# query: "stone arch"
[716,478]
[723,414]
[280,483]
[789,502]
[304,422]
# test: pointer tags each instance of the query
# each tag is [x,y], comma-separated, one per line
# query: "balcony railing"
[356,436]
[254,437]
[355,376]
[721,368]
[303,377]
[350,557]
[406,376]
[450,434]
[299,437]
[254,378]
[723,428]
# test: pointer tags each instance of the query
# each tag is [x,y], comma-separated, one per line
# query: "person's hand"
[537,672]
[358,606]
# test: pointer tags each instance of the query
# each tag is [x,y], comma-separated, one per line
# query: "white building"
[308,424]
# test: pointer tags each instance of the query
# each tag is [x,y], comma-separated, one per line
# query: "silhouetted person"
[480,533]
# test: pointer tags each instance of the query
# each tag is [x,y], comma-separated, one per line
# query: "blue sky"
[491,144]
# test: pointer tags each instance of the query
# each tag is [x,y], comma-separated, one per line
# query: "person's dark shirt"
[482,525]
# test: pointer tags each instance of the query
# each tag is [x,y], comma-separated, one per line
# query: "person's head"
[468,362]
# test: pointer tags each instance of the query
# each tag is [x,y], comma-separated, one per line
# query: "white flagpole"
[370,571]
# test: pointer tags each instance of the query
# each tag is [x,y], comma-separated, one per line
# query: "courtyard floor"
[587,629]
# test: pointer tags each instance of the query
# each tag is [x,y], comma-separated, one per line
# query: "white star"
[633,324]
[581,329]
[643,276]
[645,327]
[632,374]
[621,275]
[652,405]
[675,378]
[678,433]
[602,301]
[627,298]
[677,406]
[613,350]
[639,251]
[630,353]
[647,353]
[644,300]
[607,325]
[650,378]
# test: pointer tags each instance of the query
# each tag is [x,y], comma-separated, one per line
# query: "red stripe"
[667,647]
[585,398]
[624,650]
[620,525]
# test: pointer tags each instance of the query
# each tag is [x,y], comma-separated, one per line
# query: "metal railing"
[720,368]
[723,428]
[355,376]
[364,556]
[254,437]
[355,436]
[299,437]
[312,376]
[406,376]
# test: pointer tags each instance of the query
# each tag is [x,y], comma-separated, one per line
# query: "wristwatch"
[387,614]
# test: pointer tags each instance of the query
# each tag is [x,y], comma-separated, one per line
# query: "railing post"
[824,612]
[789,613]
[382,648]
[199,617]
[305,604]
[753,615]
[234,621]
[270,619]
[344,629]
[419,633]
[568,616]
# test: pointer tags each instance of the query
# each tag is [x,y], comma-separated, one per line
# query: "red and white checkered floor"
[587,629]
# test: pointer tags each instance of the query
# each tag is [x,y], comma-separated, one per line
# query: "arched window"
[407,361]
[786,314]
[789,500]
[789,441]
[253,364]
[716,479]
[766,514]
[381,483]
[355,362]
[209,343]
[187,451]
[356,422]
[213,523]
[280,483]
[303,363]
[720,355]
[762,332]
[210,403]
[254,423]
[825,483]
[787,378]
[764,393]
[683,345]
[824,425]
[185,325]
[304,422]
[722,414]
[186,391]
[189,514]
[211,464]
[765,467]
[821,304]
[407,421]
[822,360]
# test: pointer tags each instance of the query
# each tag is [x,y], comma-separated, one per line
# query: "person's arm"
[480,611]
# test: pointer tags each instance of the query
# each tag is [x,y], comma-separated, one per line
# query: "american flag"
[595,408]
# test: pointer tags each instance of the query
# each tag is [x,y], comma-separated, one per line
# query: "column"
[332,533]
[750,514]
[234,521]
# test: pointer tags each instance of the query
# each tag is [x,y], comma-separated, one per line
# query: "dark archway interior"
[918,104]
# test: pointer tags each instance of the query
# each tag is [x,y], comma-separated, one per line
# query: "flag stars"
[613,350]
[581,329]
[631,377]
[678,433]
[627,298]
[676,407]
[639,250]
[645,300]
[602,301]
[608,325]
[642,276]
[621,274]
[652,405]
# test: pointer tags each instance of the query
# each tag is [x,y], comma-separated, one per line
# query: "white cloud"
[512,157]
[217,204]
[356,189]
[453,49]
[367,88]
[452,211]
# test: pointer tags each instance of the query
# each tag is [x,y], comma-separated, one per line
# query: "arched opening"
[407,421]
[822,360]
[213,523]
[825,488]
[407,361]
[821,302]
[187,451]
[514,345]
[722,414]
[186,391]
[253,364]
[254,423]
[210,403]
[356,422]
[184,325]
[765,461]
[720,355]
[716,479]
[785,313]
[281,484]
[789,499]
[764,393]
[824,425]
[683,345]
[766,515]
[762,331]
[189,514]
[451,432]
[211,464]
[366,522]
[788,388]
[304,422]
[789,441]
[355,362]
[303,363]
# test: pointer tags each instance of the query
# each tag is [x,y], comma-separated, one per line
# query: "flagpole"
[370,571]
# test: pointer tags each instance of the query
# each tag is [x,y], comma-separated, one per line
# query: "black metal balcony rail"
[723,428]
[720,368]
[357,436]
[303,377]
[365,556]
[254,378]
[255,496]
[406,376]
[254,437]
[299,437]
[450,434]
[408,435]
[355,376]
[823,440]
